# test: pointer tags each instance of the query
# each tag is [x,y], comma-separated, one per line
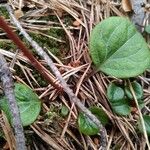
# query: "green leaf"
[114,93]
[137,89]
[100,114]
[64,111]
[117,100]
[28,102]
[86,125]
[147,29]
[122,110]
[147,124]
[118,49]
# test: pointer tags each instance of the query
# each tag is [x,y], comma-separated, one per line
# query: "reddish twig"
[27,53]
[8,87]
[73,98]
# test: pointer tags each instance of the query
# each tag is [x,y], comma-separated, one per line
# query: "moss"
[68,20]
[55,51]
[49,18]
[52,45]
[39,78]
[57,33]
[4,12]
[7,45]
[57,48]
[41,82]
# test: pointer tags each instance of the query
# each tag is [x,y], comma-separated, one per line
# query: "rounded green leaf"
[118,49]
[28,102]
[147,124]
[117,100]
[100,114]
[122,110]
[114,93]
[137,89]
[86,125]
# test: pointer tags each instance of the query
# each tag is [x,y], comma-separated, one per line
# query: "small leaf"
[122,110]
[113,49]
[115,93]
[28,102]
[117,100]
[64,111]
[147,29]
[141,103]
[137,89]
[18,13]
[100,114]
[86,125]
[147,124]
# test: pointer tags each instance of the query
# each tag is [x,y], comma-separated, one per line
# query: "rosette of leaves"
[118,49]
[28,103]
[117,99]
[121,98]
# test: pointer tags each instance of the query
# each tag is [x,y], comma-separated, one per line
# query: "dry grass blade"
[46,137]
[10,138]
[12,55]
[110,139]
[140,114]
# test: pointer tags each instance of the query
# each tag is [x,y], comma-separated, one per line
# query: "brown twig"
[72,96]
[26,52]
[54,69]
[8,87]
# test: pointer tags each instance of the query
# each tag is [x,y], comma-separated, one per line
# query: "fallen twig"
[56,72]
[8,86]
[27,53]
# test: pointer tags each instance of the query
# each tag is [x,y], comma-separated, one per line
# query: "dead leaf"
[126,5]
[18,13]
[74,64]
[77,23]
[59,13]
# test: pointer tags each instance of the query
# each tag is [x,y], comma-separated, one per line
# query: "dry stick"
[27,53]
[140,114]
[8,86]
[56,72]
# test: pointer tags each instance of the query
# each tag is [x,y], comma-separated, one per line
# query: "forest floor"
[62,28]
